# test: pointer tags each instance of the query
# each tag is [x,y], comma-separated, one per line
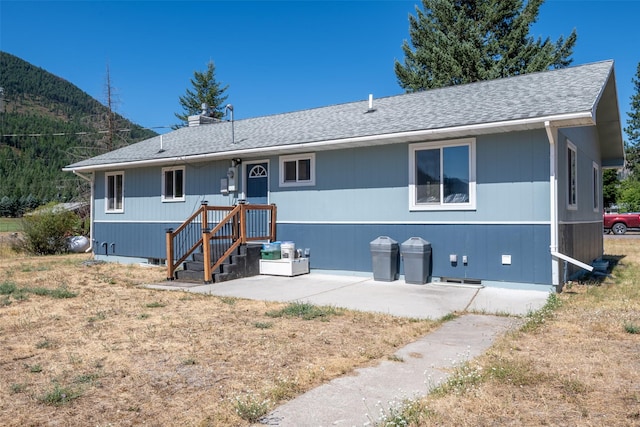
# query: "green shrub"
[46,230]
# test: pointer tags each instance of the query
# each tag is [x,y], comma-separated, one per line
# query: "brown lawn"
[86,344]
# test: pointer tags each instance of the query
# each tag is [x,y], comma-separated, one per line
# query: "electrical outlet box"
[453,258]
[506,259]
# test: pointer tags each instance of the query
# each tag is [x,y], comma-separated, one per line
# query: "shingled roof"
[575,96]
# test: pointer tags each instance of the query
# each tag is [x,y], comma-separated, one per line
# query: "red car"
[619,223]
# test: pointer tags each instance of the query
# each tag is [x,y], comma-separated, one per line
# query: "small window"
[596,187]
[297,170]
[442,175]
[114,201]
[572,176]
[173,184]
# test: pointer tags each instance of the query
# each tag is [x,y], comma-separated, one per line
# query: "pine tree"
[632,146]
[206,90]
[463,41]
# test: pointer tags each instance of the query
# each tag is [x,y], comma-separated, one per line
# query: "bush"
[46,230]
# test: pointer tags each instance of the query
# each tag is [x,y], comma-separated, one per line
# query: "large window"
[442,175]
[572,176]
[297,170]
[114,184]
[173,184]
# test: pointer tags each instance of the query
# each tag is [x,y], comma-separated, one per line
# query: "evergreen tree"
[632,146]
[206,90]
[463,41]
[610,186]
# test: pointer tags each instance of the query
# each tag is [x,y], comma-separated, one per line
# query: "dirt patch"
[85,344]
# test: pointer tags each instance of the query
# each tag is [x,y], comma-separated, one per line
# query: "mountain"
[47,123]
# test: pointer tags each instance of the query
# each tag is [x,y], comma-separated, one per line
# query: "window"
[297,170]
[173,184]
[596,187]
[442,175]
[114,183]
[572,176]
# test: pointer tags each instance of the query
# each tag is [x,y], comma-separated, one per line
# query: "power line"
[100,132]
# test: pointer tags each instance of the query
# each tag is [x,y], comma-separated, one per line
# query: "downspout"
[552,136]
[91,181]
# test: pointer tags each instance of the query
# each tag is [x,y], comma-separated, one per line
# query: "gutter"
[573,119]
[91,181]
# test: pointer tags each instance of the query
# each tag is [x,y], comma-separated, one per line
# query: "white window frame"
[298,182]
[171,198]
[572,176]
[108,175]
[413,148]
[596,186]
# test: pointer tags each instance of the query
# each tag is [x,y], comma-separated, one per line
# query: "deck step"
[244,262]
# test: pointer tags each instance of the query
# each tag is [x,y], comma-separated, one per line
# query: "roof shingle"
[537,95]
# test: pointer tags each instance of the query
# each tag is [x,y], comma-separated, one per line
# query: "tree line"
[47,123]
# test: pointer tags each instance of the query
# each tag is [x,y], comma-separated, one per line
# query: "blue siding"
[143,240]
[370,184]
[143,193]
[346,247]
[360,194]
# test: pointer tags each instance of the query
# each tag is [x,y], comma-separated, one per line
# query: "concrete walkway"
[358,399]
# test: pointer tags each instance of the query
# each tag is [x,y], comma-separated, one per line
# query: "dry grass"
[581,366]
[85,344]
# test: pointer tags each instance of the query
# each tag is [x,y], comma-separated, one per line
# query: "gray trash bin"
[385,260]
[416,256]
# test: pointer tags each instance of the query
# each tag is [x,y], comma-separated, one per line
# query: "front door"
[257,183]
[256,177]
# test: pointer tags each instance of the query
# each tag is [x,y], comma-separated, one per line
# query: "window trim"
[572,176]
[413,148]
[596,186]
[107,175]
[164,197]
[297,157]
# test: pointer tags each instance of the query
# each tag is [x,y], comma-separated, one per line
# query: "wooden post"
[243,223]
[206,251]
[169,241]
[273,222]
[203,206]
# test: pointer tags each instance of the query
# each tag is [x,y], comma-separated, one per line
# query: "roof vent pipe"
[205,109]
[370,109]
[228,108]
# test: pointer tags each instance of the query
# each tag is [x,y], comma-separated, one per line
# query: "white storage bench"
[284,266]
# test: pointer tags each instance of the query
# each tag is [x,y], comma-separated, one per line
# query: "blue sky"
[276,56]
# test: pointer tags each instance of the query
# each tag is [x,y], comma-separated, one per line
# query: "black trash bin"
[385,259]
[416,256]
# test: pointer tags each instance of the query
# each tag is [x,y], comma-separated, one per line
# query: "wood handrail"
[237,216]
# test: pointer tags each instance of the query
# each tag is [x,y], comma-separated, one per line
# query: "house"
[505,175]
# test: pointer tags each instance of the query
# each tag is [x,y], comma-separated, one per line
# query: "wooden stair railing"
[242,223]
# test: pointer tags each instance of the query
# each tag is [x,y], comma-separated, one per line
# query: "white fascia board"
[561,120]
